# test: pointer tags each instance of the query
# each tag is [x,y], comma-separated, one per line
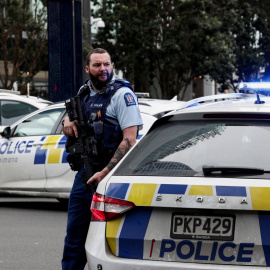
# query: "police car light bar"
[262,88]
[212,98]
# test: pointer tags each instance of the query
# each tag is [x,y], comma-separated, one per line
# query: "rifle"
[84,146]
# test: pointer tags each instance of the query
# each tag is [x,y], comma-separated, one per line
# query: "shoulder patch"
[129,99]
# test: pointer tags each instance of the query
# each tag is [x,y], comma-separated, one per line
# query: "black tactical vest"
[106,129]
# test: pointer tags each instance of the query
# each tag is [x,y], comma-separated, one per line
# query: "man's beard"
[97,83]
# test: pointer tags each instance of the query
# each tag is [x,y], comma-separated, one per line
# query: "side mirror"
[6,133]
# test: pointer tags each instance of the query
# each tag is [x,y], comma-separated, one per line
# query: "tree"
[263,26]
[166,44]
[23,41]
[247,52]
[169,42]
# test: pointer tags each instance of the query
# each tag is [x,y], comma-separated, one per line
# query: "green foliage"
[247,55]
[170,42]
[263,26]
[23,40]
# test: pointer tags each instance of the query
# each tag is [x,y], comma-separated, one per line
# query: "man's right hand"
[70,128]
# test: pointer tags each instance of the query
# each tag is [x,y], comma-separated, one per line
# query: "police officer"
[116,104]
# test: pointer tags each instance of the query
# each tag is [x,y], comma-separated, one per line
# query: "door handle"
[38,144]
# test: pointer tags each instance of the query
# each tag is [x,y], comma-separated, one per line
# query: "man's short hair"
[96,50]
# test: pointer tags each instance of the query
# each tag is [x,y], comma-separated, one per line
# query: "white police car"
[14,106]
[33,157]
[159,107]
[194,193]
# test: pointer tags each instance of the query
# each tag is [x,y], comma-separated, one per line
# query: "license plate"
[202,227]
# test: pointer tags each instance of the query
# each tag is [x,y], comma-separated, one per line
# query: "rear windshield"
[182,148]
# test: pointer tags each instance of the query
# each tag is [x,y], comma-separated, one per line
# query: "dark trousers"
[79,216]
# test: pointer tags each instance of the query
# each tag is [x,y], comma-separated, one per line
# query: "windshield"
[39,124]
[183,148]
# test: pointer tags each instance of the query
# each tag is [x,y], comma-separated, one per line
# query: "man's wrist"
[106,170]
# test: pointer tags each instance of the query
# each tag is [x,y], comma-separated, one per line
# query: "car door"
[24,155]
[59,176]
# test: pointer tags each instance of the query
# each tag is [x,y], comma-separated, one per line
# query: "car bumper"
[100,257]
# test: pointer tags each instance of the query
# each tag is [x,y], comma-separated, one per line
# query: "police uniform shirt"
[123,107]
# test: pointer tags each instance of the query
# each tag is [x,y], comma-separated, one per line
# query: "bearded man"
[117,108]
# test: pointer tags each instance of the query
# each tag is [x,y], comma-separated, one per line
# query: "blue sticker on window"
[129,99]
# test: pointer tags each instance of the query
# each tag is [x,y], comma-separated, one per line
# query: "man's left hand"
[129,139]
[98,176]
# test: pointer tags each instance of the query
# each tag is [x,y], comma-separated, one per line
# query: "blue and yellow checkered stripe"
[120,230]
[142,194]
[52,151]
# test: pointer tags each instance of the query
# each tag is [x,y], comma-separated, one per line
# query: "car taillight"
[107,208]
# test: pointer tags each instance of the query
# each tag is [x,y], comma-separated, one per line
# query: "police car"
[14,106]
[33,157]
[159,107]
[194,193]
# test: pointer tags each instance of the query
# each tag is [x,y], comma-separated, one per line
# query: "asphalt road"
[32,232]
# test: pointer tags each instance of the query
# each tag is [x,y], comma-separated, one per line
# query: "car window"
[182,148]
[11,111]
[39,124]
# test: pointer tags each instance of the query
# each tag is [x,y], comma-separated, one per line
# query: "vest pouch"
[98,130]
[112,136]
[74,162]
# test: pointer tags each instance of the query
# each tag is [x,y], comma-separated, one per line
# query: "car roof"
[158,107]
[34,101]
[152,107]
[60,104]
[232,103]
